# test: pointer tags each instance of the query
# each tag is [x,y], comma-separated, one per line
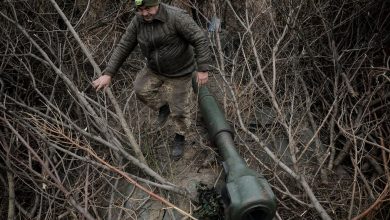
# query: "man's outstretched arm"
[123,49]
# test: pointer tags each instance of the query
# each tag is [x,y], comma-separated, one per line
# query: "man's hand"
[202,78]
[102,82]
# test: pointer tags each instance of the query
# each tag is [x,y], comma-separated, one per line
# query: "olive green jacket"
[169,44]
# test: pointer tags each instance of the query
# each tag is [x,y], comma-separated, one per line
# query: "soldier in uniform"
[175,48]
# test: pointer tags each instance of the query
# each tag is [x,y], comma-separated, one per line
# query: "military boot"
[163,114]
[178,147]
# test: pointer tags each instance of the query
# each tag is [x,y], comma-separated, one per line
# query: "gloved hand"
[102,82]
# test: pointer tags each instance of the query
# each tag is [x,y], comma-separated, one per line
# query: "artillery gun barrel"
[246,194]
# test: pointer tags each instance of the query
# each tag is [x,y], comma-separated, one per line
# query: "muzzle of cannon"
[246,194]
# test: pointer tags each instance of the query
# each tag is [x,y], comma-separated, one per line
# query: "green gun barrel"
[247,194]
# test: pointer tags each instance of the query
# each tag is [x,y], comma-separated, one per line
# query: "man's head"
[147,8]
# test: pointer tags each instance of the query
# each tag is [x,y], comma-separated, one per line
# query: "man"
[174,47]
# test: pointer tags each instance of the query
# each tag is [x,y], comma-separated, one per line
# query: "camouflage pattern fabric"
[157,90]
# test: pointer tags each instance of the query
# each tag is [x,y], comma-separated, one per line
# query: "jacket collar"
[162,13]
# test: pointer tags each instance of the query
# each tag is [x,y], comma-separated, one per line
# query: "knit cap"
[147,3]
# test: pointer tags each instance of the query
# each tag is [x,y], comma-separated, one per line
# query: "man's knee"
[146,96]
[146,83]
[140,90]
[145,89]
[149,95]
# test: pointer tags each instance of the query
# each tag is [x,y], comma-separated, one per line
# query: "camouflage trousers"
[156,90]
